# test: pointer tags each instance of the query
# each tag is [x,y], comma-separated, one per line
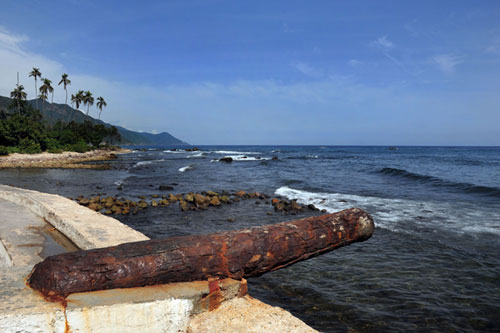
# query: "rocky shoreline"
[65,160]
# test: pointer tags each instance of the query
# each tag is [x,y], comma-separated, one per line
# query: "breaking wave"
[435,181]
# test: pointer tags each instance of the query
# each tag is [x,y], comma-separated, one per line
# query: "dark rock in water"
[226,159]
[155,196]
[98,187]
[275,158]
[165,188]
[230,220]
[269,213]
[312,207]
[174,184]
[195,149]
[119,188]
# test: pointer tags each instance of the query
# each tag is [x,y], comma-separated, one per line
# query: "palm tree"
[20,95]
[43,97]
[77,100]
[36,73]
[100,104]
[47,88]
[44,91]
[66,82]
[88,100]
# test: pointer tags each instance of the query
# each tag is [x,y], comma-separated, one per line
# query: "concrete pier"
[34,225]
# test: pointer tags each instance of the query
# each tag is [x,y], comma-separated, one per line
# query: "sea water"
[433,262]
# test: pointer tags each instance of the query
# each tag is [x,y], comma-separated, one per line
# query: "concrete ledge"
[86,228]
[164,308]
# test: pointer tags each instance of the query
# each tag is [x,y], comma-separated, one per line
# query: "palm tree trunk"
[70,113]
[66,95]
[99,115]
[36,98]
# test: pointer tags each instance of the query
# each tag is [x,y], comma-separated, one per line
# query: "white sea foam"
[119,182]
[400,215]
[142,163]
[229,152]
[187,167]
[197,155]
[178,151]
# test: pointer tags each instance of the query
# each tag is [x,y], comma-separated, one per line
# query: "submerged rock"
[226,159]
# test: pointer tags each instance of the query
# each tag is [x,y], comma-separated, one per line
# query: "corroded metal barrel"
[234,254]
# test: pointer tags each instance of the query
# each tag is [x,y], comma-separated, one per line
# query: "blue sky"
[271,72]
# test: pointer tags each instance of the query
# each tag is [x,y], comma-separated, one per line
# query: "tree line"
[25,131]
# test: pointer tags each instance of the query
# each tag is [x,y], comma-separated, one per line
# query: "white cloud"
[382,43]
[447,62]
[307,69]
[494,47]
[354,63]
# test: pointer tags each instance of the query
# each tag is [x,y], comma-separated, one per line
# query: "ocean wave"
[397,215]
[229,152]
[197,155]
[186,168]
[303,157]
[177,151]
[142,163]
[435,181]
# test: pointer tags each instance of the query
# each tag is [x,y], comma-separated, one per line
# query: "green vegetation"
[26,132]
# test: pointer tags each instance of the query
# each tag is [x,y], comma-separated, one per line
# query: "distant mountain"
[53,112]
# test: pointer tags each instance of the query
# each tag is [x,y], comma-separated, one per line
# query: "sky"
[270,72]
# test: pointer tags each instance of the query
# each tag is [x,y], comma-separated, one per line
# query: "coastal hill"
[54,112]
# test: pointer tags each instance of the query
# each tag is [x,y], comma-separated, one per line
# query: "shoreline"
[64,160]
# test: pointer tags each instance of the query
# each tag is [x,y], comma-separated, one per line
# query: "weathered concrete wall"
[86,228]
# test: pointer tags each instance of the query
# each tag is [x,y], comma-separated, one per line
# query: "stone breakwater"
[65,160]
[190,201]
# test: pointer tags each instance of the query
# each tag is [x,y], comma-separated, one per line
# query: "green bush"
[79,147]
[29,146]
[3,151]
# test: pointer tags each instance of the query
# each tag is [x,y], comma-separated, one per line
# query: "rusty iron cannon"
[233,254]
